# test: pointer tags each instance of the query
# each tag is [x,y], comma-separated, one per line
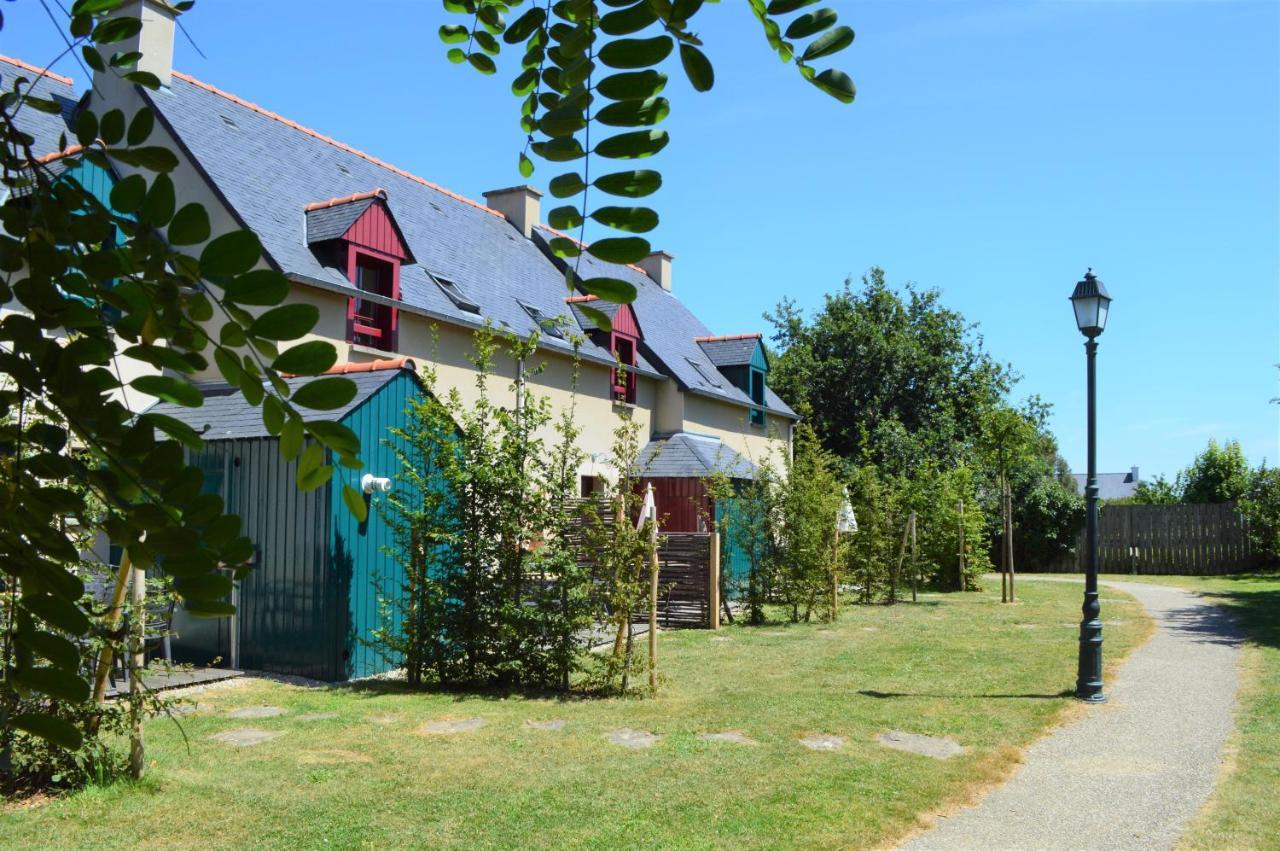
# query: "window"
[373,322]
[549,324]
[455,294]
[757,396]
[622,377]
[706,377]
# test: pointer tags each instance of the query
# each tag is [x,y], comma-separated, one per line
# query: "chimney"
[1133,473]
[520,204]
[658,266]
[154,41]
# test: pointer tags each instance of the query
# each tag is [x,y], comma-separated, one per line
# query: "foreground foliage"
[947,666]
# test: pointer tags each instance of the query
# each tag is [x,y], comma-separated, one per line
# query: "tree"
[1261,505]
[142,279]
[891,379]
[1157,491]
[809,497]
[1218,474]
[576,55]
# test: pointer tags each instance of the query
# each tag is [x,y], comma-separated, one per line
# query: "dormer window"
[359,233]
[622,377]
[622,339]
[741,358]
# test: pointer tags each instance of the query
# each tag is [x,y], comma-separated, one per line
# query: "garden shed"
[310,605]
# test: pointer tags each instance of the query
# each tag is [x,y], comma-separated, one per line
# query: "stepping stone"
[464,725]
[318,716]
[256,712]
[823,743]
[553,724]
[938,747]
[731,736]
[244,738]
[633,739]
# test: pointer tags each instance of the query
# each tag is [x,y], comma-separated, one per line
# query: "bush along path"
[1131,773]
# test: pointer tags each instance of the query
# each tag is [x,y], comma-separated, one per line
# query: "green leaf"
[325,394]
[86,128]
[157,208]
[610,289]
[566,185]
[189,226]
[632,219]
[52,729]
[627,21]
[287,322]
[311,358]
[355,503]
[151,157]
[632,85]
[454,33]
[784,7]
[837,84]
[112,127]
[208,608]
[559,150]
[600,318]
[526,166]
[634,113]
[230,254]
[209,586]
[260,287]
[58,650]
[811,23]
[55,682]
[629,184]
[562,247]
[564,218]
[456,55]
[525,25]
[141,125]
[636,145]
[176,429]
[273,415]
[57,612]
[832,41]
[564,121]
[485,66]
[622,249]
[128,193]
[636,52]
[335,435]
[116,29]
[291,438]
[169,389]
[697,67]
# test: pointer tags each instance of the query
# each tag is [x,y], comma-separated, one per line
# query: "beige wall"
[730,424]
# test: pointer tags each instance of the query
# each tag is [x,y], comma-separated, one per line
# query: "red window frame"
[374,325]
[622,382]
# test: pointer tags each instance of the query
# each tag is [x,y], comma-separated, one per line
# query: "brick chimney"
[154,41]
[658,267]
[522,205]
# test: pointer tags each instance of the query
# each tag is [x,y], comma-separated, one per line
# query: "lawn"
[962,665]
[1242,813]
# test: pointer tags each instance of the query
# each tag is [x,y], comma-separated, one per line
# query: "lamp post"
[1092,304]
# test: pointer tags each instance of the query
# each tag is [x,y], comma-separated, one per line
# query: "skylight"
[455,294]
[706,379]
[548,324]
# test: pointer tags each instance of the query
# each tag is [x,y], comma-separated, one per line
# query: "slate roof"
[225,415]
[269,169]
[46,128]
[1111,485]
[687,455]
[332,222]
[670,330]
[731,351]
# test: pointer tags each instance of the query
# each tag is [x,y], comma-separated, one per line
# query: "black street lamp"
[1092,304]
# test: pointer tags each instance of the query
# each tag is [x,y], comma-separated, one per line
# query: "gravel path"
[1131,773]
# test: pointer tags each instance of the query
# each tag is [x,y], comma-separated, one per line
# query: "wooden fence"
[1194,540]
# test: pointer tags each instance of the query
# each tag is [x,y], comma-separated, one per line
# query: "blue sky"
[996,149]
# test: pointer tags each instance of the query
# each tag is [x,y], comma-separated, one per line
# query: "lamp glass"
[1091,313]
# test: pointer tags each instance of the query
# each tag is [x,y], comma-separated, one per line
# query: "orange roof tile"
[27,66]
[371,366]
[755,336]
[323,138]
[578,299]
[358,196]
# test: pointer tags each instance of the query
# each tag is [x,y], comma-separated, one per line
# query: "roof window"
[456,295]
[706,377]
[549,324]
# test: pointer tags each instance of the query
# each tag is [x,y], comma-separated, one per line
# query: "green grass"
[992,676]
[1242,813]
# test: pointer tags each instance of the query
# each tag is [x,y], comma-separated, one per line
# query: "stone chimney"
[1133,474]
[522,205]
[154,41]
[658,266]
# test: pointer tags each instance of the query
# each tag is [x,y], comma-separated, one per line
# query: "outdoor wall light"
[370,483]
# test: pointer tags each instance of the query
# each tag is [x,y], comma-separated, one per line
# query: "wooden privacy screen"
[684,580]
[1193,540]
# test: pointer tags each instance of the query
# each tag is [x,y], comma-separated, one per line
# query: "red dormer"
[366,243]
[623,340]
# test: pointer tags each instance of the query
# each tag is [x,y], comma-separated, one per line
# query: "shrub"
[1261,505]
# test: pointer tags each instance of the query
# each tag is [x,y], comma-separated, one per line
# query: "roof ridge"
[236,99]
[44,72]
[371,366]
[353,197]
[728,337]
